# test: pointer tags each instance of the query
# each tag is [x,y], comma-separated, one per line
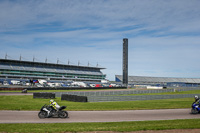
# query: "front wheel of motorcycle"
[42,115]
[63,114]
[194,111]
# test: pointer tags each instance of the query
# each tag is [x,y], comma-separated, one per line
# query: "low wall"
[137,98]
[123,92]
[115,92]
[74,98]
[44,95]
[103,96]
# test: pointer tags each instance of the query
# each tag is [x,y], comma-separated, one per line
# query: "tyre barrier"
[44,95]
[74,98]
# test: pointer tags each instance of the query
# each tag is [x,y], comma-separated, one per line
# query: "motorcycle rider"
[197,100]
[54,106]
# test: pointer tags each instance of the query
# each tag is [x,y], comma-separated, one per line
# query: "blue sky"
[164,35]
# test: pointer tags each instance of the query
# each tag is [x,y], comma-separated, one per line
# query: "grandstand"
[161,81]
[17,69]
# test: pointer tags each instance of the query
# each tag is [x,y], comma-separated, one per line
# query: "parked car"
[98,85]
[5,83]
[38,85]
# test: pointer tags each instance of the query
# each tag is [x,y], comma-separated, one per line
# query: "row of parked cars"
[74,84]
[14,82]
[45,83]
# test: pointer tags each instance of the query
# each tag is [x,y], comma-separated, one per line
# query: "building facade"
[161,81]
[15,69]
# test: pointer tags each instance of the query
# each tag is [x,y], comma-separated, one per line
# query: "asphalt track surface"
[98,116]
[95,116]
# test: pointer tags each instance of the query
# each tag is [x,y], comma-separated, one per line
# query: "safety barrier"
[44,95]
[136,98]
[116,92]
[124,92]
[102,96]
[74,98]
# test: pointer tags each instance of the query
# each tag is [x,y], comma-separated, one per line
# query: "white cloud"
[160,32]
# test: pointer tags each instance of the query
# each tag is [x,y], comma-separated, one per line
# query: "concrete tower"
[125,62]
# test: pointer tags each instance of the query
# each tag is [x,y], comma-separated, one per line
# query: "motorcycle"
[195,108]
[47,111]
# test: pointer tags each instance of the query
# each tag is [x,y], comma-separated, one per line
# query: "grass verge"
[107,126]
[27,102]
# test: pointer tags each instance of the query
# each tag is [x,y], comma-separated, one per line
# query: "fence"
[136,98]
[107,93]
[102,96]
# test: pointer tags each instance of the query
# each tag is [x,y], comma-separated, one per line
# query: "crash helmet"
[51,101]
[196,97]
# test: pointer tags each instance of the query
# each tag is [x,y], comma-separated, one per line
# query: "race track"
[98,116]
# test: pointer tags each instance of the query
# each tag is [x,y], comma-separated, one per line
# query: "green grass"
[106,126]
[29,103]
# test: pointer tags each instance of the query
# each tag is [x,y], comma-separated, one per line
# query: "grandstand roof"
[145,79]
[47,64]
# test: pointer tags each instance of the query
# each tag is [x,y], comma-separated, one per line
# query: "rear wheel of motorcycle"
[194,111]
[42,115]
[63,114]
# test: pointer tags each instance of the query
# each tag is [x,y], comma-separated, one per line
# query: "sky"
[163,35]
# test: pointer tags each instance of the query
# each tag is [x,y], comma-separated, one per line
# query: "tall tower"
[125,62]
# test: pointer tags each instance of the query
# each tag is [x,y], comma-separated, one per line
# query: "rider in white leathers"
[54,106]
